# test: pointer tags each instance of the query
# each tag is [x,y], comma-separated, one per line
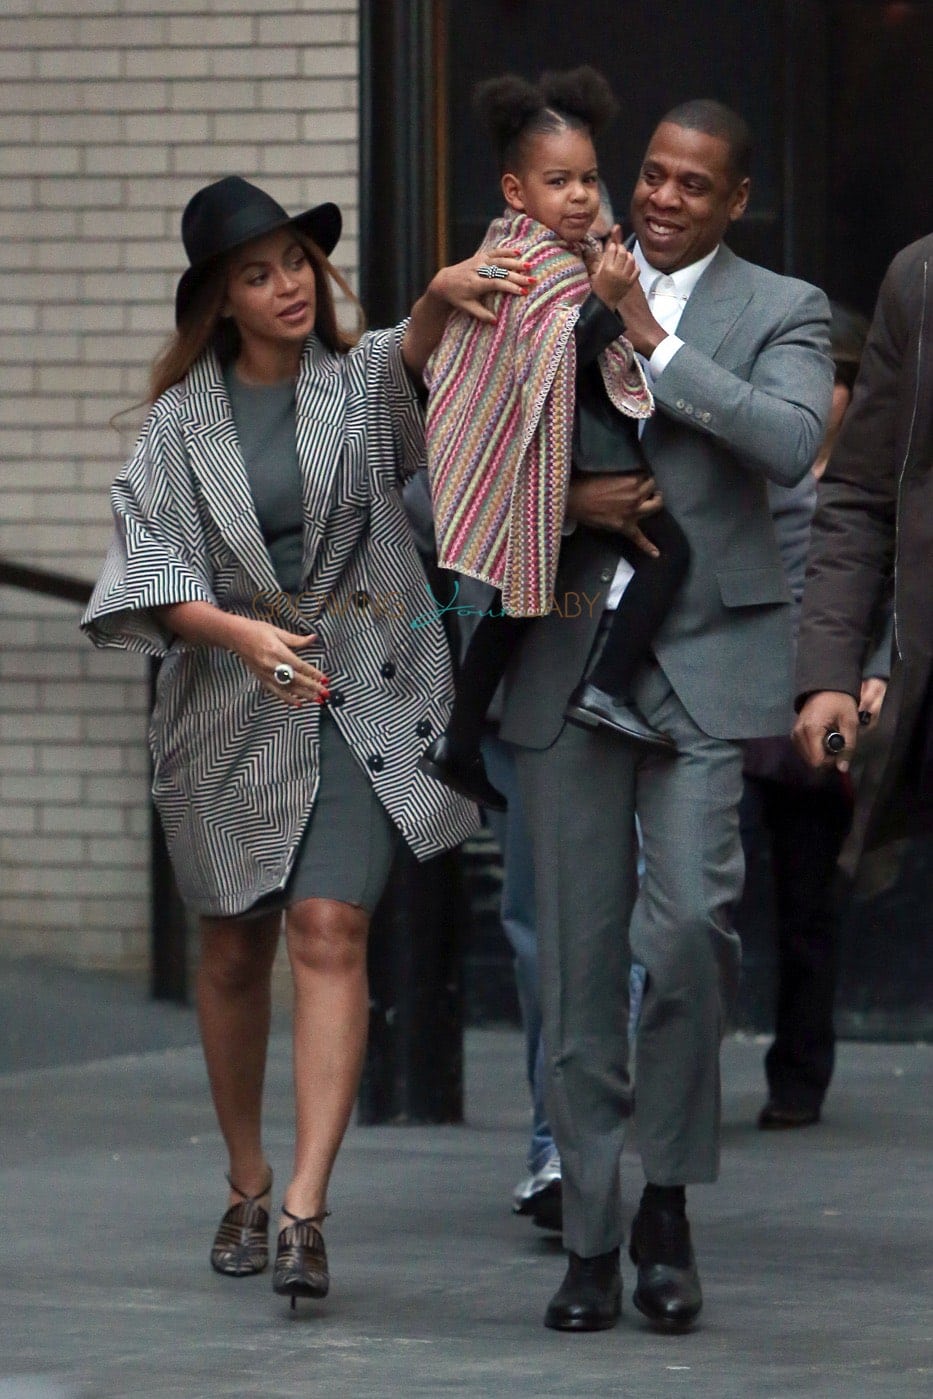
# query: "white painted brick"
[305,29]
[126,160]
[127,33]
[125,913]
[83,316]
[110,791]
[82,820]
[37,33]
[318,128]
[32,223]
[219,95]
[16,820]
[26,408]
[36,850]
[324,60]
[198,164]
[150,255]
[306,94]
[212,32]
[18,757]
[172,63]
[76,128]
[19,318]
[32,788]
[75,64]
[231,127]
[117,852]
[166,127]
[16,505]
[17,63]
[39,160]
[19,257]
[124,97]
[86,193]
[255,63]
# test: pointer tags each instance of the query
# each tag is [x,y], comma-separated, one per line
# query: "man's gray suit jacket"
[743,401]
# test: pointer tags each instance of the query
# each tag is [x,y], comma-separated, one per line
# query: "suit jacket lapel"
[217,463]
[717,301]
[320,413]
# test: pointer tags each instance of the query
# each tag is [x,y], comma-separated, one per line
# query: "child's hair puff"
[514,109]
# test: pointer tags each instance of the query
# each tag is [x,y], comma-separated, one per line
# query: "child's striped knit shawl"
[500,421]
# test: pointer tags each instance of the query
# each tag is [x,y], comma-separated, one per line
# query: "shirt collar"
[684,279]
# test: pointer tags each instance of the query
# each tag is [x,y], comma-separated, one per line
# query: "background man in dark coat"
[875,515]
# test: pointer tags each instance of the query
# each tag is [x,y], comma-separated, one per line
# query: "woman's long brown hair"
[203,324]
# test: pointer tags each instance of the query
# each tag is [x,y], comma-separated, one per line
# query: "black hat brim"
[323,225]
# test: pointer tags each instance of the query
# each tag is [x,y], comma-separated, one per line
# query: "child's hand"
[616,272]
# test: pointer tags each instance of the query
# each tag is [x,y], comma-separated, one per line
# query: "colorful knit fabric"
[500,420]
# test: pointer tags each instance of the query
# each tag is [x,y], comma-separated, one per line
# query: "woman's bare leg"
[234,996]
[327,950]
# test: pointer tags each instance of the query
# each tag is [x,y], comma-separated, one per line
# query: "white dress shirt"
[667,295]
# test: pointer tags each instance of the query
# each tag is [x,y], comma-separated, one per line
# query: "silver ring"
[283,674]
[490,270]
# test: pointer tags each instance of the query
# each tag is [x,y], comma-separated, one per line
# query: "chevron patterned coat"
[235,771]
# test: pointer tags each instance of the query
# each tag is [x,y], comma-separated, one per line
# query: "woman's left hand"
[460,287]
[463,287]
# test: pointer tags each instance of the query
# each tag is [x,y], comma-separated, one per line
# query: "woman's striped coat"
[236,771]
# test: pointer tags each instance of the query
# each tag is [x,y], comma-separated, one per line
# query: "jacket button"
[606,576]
[423,728]
[336,698]
[361,599]
[375,762]
[689,410]
[707,417]
[388,670]
[681,403]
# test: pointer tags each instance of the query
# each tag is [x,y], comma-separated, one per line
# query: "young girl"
[553,384]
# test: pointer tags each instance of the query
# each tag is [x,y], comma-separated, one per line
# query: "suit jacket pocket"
[753,587]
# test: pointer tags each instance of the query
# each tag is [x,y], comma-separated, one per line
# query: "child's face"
[558,184]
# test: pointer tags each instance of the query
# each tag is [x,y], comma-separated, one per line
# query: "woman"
[261,549]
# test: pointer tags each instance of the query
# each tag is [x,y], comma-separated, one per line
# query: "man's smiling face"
[686,196]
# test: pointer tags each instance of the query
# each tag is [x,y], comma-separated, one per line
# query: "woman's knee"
[235,957]
[327,937]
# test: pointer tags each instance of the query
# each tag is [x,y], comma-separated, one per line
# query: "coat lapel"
[217,463]
[717,301]
[320,414]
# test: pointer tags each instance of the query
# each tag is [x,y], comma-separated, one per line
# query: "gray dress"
[348,842]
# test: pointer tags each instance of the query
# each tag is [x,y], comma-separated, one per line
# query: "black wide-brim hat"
[231,212]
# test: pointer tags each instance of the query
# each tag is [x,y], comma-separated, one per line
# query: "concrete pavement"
[814,1247]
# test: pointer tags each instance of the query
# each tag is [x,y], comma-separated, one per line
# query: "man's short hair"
[716,119]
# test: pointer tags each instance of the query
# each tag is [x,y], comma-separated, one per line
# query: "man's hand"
[641,328]
[826,711]
[615,503]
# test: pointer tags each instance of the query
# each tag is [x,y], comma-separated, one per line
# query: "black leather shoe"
[590,1296]
[778,1117]
[465,774]
[668,1291]
[595,709]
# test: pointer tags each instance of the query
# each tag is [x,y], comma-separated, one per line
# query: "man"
[742,390]
[875,516]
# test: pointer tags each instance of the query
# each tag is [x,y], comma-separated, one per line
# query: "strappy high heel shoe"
[301,1258]
[241,1244]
